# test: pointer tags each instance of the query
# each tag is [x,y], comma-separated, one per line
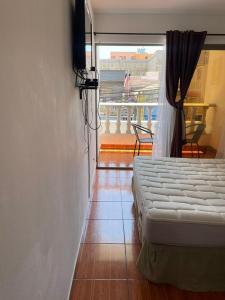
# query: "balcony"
[117,139]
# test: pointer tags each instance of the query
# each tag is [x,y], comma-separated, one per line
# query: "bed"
[180,207]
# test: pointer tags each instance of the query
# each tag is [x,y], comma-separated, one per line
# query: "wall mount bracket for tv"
[89,84]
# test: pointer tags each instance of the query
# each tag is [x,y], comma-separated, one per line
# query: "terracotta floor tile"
[127,195]
[126,183]
[214,296]
[126,174]
[128,210]
[108,173]
[109,164]
[108,186]
[132,253]
[174,293]
[140,290]
[111,266]
[107,195]
[145,290]
[84,233]
[124,159]
[106,210]
[101,261]
[107,181]
[111,290]
[125,164]
[131,232]
[158,291]
[82,290]
[100,290]
[104,231]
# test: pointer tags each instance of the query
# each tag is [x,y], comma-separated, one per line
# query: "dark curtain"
[182,53]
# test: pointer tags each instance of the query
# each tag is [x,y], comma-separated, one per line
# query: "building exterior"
[111,85]
[139,55]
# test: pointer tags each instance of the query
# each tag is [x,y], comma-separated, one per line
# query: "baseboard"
[93,179]
[83,229]
[77,253]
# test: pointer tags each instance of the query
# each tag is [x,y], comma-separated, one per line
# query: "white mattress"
[181,201]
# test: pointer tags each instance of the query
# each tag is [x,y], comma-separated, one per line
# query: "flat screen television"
[82,37]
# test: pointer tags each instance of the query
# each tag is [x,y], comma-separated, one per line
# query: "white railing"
[116,118]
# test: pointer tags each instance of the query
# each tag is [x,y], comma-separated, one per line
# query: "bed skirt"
[199,269]
[188,268]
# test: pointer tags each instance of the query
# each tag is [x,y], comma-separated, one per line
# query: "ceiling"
[203,7]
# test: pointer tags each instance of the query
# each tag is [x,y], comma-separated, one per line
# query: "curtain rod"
[145,33]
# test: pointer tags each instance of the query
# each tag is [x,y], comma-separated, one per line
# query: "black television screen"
[82,37]
[88,40]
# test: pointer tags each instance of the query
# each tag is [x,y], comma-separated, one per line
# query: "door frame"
[96,45]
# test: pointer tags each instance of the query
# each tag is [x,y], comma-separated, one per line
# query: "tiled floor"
[106,267]
[118,158]
[124,158]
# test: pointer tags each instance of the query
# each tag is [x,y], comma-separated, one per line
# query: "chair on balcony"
[139,139]
[193,135]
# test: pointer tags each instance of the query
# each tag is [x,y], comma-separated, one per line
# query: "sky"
[104,51]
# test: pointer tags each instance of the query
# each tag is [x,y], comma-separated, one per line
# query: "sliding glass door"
[128,94]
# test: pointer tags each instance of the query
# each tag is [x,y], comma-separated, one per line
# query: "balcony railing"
[116,118]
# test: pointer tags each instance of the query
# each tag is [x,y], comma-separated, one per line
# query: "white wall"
[155,23]
[43,174]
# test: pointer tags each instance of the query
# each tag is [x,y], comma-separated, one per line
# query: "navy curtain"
[182,54]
